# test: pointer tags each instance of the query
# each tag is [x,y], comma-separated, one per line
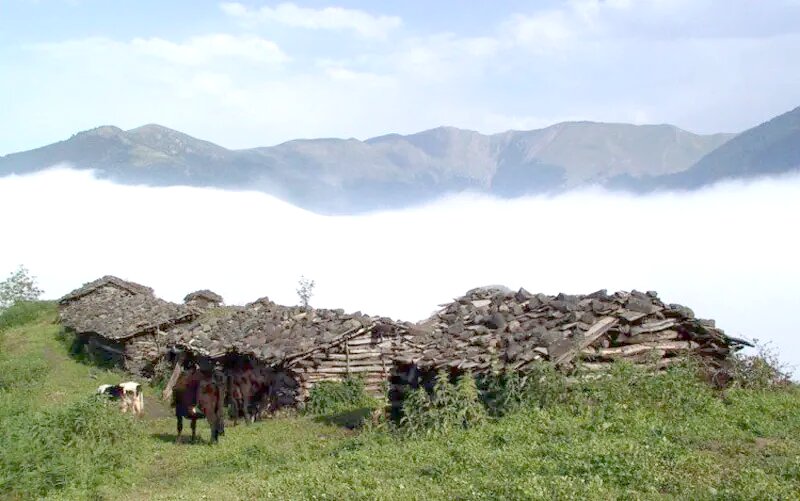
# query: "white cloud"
[204,49]
[329,18]
[725,252]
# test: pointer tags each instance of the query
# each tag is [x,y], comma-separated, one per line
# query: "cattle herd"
[204,393]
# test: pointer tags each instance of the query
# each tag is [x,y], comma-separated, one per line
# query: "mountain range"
[340,176]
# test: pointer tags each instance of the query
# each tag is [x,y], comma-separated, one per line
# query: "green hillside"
[632,436]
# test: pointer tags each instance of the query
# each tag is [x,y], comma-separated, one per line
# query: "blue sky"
[245,74]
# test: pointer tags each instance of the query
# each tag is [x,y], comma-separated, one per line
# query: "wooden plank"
[343,370]
[347,356]
[633,349]
[352,356]
[653,326]
[564,350]
[176,372]
[652,337]
[633,316]
[356,363]
[368,340]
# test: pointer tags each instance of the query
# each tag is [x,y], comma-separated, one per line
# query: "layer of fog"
[729,252]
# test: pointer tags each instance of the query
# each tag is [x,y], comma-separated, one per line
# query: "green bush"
[761,371]
[541,386]
[82,445]
[22,312]
[334,397]
[449,407]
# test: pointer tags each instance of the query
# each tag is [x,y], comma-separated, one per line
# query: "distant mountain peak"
[337,175]
[103,131]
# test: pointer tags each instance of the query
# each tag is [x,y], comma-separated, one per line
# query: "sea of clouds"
[729,252]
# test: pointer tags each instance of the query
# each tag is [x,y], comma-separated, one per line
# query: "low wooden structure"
[298,346]
[121,323]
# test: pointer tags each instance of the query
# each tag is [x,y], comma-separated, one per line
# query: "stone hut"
[299,347]
[121,323]
[203,299]
[493,329]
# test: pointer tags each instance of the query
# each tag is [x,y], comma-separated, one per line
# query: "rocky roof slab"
[119,317]
[124,286]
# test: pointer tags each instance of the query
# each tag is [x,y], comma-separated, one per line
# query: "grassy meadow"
[630,436]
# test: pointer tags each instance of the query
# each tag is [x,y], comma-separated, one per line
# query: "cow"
[247,386]
[198,394]
[129,394]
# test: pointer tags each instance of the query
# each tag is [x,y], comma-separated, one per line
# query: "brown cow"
[247,385]
[196,394]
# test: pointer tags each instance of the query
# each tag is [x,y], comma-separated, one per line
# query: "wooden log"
[653,326]
[369,340]
[352,357]
[633,316]
[176,372]
[358,363]
[647,337]
[565,350]
[343,370]
[633,349]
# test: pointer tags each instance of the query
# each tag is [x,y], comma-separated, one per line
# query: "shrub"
[542,386]
[449,407]
[22,312]
[19,286]
[334,397]
[761,371]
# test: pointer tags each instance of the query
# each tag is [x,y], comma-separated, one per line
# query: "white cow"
[129,394]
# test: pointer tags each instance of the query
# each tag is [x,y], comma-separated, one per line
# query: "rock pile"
[492,329]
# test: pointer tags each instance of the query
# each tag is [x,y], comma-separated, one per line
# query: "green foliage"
[334,397]
[542,386]
[761,371]
[450,407]
[19,286]
[81,445]
[22,312]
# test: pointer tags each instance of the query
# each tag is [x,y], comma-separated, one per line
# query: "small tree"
[305,289]
[19,286]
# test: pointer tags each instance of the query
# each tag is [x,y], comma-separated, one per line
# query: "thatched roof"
[489,328]
[203,294]
[273,333]
[124,286]
[118,317]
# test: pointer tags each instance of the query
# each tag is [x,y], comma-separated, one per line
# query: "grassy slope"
[658,440]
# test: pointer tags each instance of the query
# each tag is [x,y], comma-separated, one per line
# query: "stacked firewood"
[492,329]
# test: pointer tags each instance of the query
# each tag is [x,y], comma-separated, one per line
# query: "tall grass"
[23,312]
[80,446]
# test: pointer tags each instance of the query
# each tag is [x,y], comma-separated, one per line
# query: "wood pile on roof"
[491,329]
[273,333]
